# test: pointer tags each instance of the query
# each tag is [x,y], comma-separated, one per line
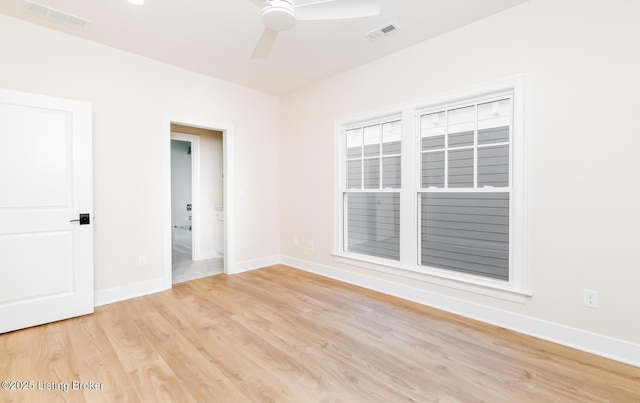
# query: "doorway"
[196,186]
[181,206]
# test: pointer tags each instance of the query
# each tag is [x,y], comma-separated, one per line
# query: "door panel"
[57,257]
[46,261]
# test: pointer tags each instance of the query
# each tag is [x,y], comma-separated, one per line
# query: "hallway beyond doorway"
[185,269]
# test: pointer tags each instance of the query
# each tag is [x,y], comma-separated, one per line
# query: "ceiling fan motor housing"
[279,15]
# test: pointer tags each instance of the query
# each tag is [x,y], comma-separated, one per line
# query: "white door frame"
[194,141]
[229,211]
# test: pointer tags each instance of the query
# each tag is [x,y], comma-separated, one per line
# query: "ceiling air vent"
[382,31]
[55,15]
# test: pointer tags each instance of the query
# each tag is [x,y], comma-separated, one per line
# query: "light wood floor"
[283,335]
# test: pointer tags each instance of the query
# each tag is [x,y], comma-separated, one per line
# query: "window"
[372,195]
[464,194]
[435,190]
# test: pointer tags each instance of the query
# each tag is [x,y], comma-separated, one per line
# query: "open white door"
[46,258]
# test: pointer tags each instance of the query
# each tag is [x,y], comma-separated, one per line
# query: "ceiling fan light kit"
[281,15]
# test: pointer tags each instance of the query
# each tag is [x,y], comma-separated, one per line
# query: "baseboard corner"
[121,293]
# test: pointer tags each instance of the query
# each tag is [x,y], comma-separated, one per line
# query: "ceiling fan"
[280,15]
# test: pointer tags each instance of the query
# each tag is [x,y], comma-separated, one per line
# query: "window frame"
[516,288]
[343,186]
[474,102]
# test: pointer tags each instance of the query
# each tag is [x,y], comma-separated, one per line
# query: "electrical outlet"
[142,261]
[296,242]
[590,298]
[311,245]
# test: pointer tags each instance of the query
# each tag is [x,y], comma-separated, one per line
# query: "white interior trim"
[255,264]
[228,164]
[459,281]
[128,291]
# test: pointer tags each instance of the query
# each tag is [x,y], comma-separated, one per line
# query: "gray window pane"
[461,168]
[493,135]
[493,166]
[495,114]
[354,143]
[372,137]
[466,232]
[461,139]
[372,150]
[432,143]
[392,147]
[371,173]
[461,120]
[433,169]
[391,172]
[373,224]
[391,137]
[354,174]
[354,152]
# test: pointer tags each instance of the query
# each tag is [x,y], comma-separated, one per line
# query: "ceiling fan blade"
[337,9]
[307,2]
[265,44]
[260,3]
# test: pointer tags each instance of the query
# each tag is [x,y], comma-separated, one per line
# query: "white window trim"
[516,289]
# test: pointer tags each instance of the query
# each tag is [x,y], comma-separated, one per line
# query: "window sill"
[492,288]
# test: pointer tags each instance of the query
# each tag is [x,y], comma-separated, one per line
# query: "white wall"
[583,62]
[130,95]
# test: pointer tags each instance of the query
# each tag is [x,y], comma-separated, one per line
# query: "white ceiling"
[216,37]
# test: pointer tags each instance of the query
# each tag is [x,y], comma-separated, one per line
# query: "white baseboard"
[604,346]
[240,267]
[129,291]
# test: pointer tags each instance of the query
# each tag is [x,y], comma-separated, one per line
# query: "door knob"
[83,219]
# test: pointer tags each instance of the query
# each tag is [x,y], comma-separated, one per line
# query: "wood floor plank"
[189,362]
[283,335]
